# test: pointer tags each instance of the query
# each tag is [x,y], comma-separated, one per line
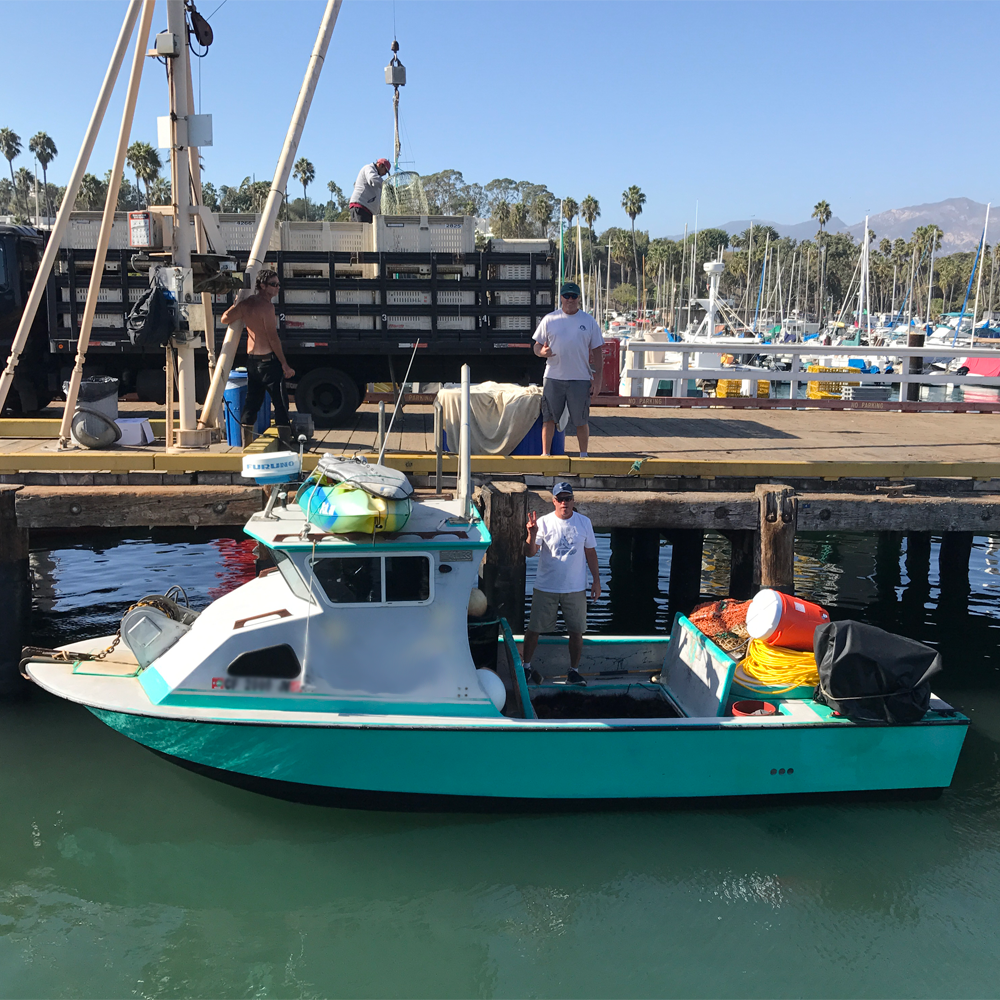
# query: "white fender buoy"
[477,603]
[490,682]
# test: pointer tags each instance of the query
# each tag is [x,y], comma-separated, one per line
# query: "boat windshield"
[291,575]
[375,579]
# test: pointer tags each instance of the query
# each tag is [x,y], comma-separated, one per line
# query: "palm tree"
[822,213]
[306,173]
[45,152]
[541,212]
[10,147]
[590,209]
[91,192]
[519,218]
[501,212]
[145,161]
[570,210]
[158,192]
[620,250]
[632,201]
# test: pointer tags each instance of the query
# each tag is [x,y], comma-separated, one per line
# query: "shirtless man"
[267,368]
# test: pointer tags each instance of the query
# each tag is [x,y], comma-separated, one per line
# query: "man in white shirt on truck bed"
[571,342]
[564,541]
[366,198]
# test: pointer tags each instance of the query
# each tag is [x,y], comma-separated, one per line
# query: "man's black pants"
[264,374]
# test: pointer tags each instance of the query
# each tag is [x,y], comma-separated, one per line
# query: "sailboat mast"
[930,283]
[979,282]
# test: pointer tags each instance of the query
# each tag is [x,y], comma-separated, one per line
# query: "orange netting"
[724,622]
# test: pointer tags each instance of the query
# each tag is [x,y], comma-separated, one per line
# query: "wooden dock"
[700,448]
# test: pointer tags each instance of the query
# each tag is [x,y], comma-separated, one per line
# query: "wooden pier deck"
[708,444]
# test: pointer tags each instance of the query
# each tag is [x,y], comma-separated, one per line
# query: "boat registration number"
[257,684]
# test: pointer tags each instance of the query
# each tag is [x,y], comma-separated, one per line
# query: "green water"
[122,875]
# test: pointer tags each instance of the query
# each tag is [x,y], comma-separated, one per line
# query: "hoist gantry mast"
[188,435]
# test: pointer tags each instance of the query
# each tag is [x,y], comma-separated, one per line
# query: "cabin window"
[3,267]
[351,581]
[375,579]
[407,579]
[279,662]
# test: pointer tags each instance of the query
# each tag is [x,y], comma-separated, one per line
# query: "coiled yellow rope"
[775,665]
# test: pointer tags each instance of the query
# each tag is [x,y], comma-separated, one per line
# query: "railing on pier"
[796,375]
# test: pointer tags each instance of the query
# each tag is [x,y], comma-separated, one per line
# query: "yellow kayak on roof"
[343,508]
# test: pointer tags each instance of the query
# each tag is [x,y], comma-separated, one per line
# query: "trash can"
[234,396]
[97,392]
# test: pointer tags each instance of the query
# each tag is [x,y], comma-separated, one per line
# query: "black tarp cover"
[870,675]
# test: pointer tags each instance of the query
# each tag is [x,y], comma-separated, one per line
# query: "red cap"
[383,163]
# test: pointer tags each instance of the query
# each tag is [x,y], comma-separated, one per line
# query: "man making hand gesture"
[565,544]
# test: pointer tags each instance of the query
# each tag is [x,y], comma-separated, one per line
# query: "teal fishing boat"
[345,675]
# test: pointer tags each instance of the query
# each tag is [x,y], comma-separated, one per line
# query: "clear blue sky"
[750,109]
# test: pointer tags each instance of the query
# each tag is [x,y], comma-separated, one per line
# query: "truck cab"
[35,380]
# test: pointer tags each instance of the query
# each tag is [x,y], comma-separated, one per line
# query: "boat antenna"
[399,401]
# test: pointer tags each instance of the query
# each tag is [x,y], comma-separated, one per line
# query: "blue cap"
[562,488]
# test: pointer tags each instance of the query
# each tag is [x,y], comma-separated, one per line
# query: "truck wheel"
[151,385]
[329,395]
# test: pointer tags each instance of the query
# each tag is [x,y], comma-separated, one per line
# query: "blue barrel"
[234,397]
[531,443]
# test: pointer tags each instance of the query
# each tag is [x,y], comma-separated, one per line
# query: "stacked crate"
[829,390]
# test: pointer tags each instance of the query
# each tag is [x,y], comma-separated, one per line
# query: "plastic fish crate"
[735,388]
[103,294]
[355,322]
[107,321]
[424,234]
[424,322]
[829,390]
[84,228]
[498,245]
[514,323]
[522,272]
[324,237]
[306,296]
[315,322]
[521,298]
[412,297]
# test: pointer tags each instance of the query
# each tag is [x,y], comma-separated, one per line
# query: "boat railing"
[799,356]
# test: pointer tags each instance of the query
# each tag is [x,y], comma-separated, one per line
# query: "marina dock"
[756,476]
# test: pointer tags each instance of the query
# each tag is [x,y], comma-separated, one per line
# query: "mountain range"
[960,218]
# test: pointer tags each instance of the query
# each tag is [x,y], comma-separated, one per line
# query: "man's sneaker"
[575,677]
[532,676]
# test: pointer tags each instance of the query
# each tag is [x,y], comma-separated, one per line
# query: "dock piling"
[743,546]
[15,585]
[953,568]
[505,512]
[778,519]
[684,588]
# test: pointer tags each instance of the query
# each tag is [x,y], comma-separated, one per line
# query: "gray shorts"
[545,604]
[557,394]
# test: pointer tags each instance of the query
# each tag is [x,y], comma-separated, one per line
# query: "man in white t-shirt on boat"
[565,544]
[571,342]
